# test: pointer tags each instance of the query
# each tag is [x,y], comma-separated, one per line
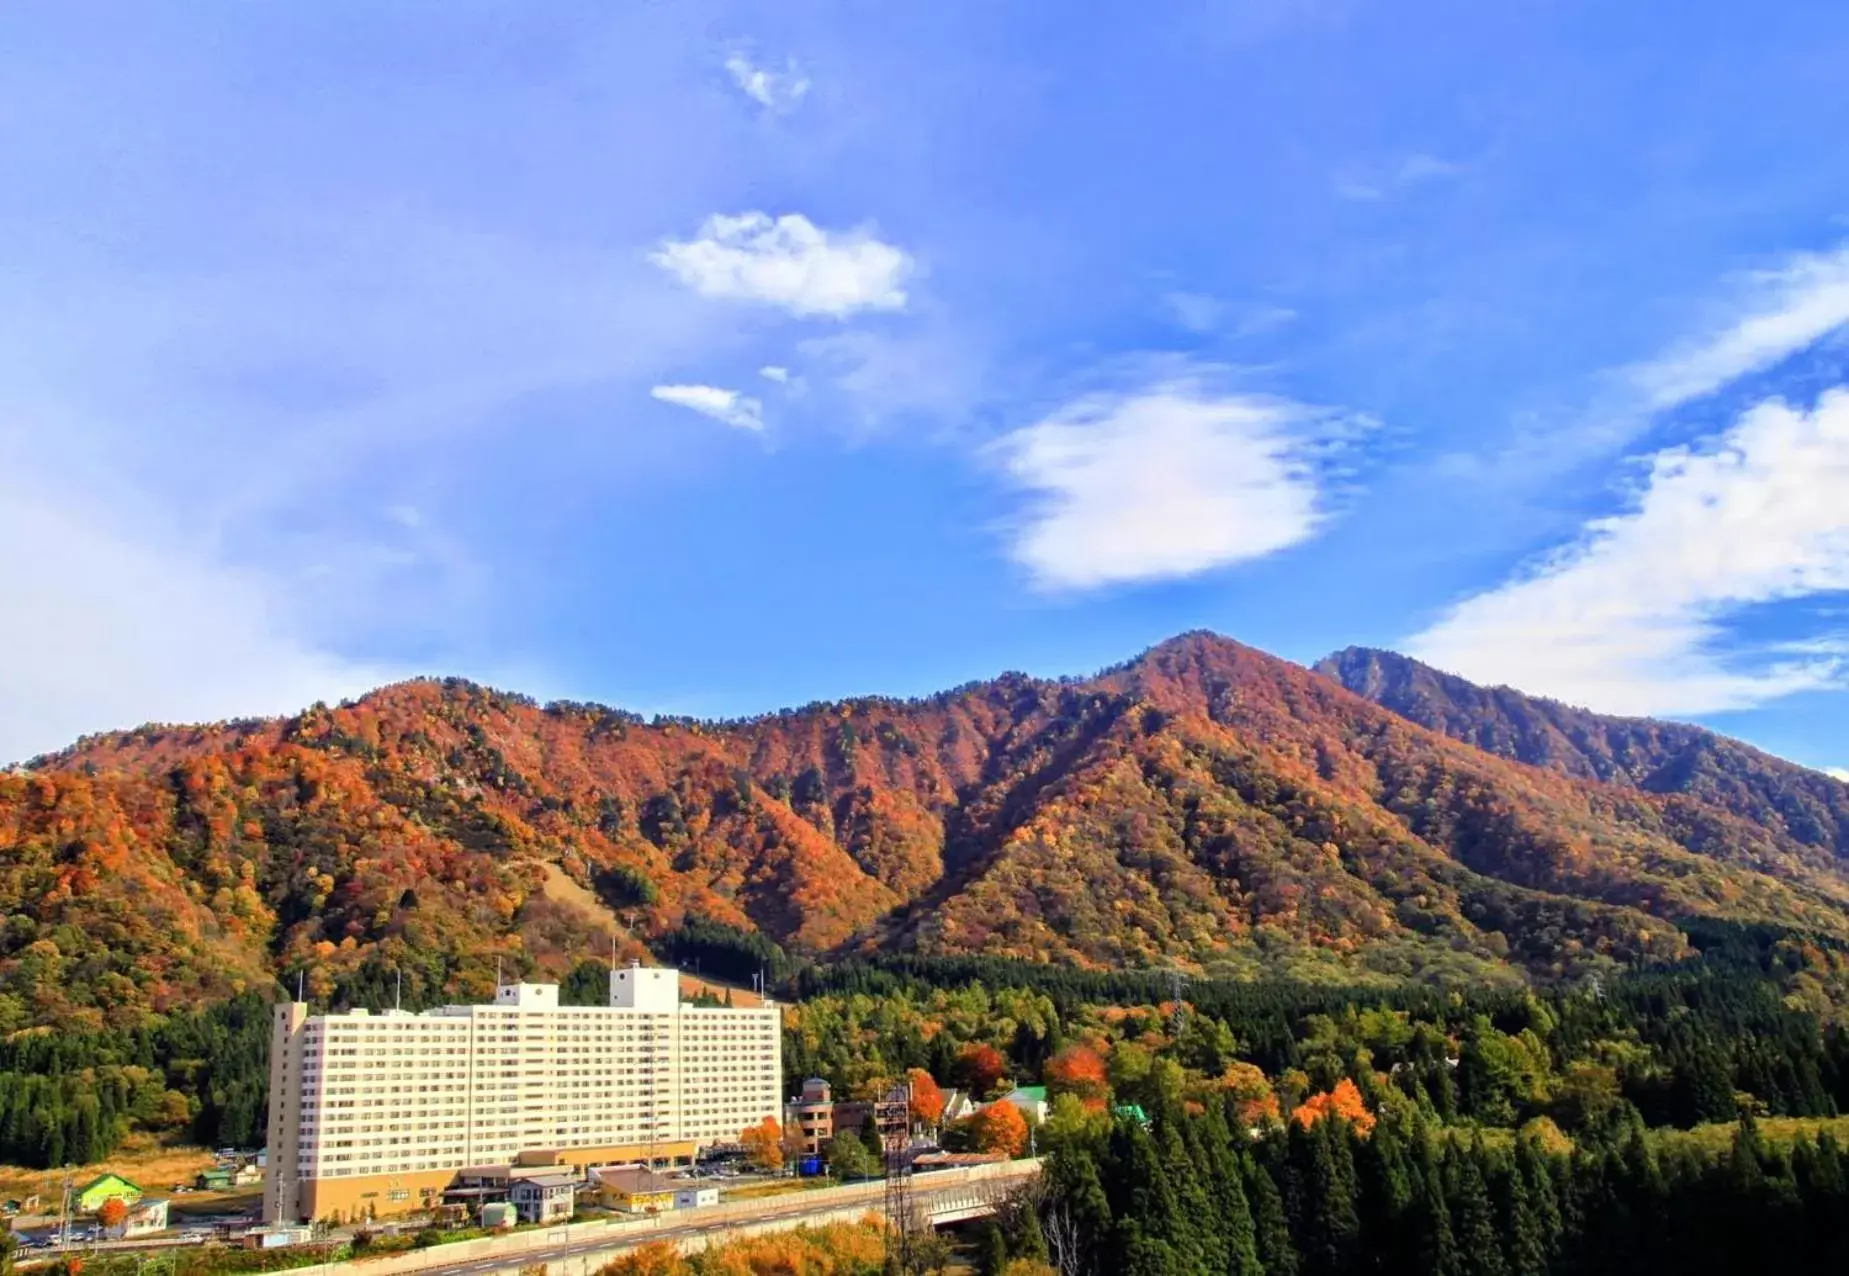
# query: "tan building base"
[354,1200]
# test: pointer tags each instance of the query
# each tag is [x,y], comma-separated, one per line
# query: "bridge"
[942,1197]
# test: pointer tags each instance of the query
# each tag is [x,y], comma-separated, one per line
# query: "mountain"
[1798,805]
[1204,805]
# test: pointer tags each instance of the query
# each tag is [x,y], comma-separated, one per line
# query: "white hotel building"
[374,1114]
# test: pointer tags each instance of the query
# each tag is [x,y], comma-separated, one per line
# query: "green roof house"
[1031,1099]
[90,1196]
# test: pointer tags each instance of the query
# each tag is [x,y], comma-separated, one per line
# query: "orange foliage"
[1000,1127]
[112,1212]
[927,1098]
[1344,1101]
[1079,1071]
[764,1143]
[181,865]
[1253,1097]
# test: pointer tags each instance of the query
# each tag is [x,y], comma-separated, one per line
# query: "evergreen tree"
[1473,1218]
[1271,1227]
[1537,1174]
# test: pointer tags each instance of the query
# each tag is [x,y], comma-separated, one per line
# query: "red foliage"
[982,1067]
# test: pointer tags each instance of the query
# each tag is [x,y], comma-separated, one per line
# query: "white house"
[694,1195]
[544,1198]
[145,1217]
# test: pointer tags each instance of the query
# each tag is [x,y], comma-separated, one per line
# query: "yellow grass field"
[142,1161]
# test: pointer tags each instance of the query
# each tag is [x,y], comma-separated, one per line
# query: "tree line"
[1193,1193]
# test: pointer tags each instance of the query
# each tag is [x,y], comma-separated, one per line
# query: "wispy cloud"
[1372,182]
[728,407]
[791,263]
[1629,618]
[1195,311]
[1167,480]
[1837,773]
[771,372]
[773,90]
[1781,312]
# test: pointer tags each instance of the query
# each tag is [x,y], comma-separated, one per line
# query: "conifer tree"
[1271,1227]
[1474,1220]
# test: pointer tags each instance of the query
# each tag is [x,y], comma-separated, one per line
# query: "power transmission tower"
[1177,984]
[901,1221]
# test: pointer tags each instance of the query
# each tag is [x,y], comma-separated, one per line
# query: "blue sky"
[714,358]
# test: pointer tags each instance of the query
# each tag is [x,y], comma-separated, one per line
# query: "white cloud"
[772,90]
[791,263]
[771,372]
[1168,481]
[1628,619]
[1837,773]
[1788,310]
[727,406]
[114,624]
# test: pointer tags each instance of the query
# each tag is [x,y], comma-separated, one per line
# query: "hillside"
[1801,806]
[1204,805]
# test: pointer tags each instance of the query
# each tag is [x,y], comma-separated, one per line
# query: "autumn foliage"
[927,1098]
[763,1143]
[1344,1101]
[839,1250]
[112,1212]
[1000,1127]
[435,827]
[981,1067]
[1079,1071]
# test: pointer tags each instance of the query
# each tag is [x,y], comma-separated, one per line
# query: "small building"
[105,1187]
[926,1161]
[217,1179]
[247,1175]
[890,1115]
[636,1189]
[499,1215]
[957,1105]
[145,1217]
[693,1196]
[543,1198]
[277,1237]
[1031,1099]
[812,1117]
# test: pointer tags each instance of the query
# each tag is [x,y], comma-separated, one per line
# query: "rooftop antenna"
[398,1000]
[497,975]
[298,985]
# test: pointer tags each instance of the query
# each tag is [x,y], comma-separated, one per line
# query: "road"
[673,1228]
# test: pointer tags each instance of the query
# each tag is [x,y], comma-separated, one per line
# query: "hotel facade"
[375,1114]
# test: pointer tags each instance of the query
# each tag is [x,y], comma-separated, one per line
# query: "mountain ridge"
[1204,805]
[1644,753]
